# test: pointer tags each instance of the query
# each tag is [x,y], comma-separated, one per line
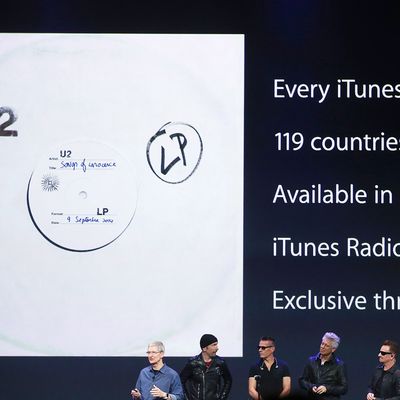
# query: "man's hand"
[135,394]
[156,392]
[319,389]
[370,396]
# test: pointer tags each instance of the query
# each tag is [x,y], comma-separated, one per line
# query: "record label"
[82,195]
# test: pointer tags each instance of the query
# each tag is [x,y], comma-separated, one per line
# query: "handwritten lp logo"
[174,152]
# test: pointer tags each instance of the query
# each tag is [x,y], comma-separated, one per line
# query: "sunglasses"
[385,353]
[264,347]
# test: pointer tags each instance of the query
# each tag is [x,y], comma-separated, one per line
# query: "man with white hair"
[324,376]
[157,381]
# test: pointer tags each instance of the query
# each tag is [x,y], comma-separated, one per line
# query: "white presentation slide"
[121,162]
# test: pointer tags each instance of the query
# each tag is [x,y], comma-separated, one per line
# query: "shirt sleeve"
[253,371]
[185,376]
[139,382]
[227,382]
[176,390]
[306,381]
[285,370]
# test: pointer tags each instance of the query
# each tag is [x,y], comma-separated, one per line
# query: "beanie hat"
[207,339]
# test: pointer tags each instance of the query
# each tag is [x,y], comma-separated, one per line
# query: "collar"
[200,358]
[390,370]
[157,371]
[262,363]
[332,358]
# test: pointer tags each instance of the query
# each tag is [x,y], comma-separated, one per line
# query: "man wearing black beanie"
[206,376]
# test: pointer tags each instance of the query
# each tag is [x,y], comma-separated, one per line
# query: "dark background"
[301,42]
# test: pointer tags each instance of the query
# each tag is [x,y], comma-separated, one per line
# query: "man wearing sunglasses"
[385,383]
[270,377]
[324,377]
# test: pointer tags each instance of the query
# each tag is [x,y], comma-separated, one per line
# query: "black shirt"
[378,386]
[271,381]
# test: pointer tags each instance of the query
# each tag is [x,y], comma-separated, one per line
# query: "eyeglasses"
[264,347]
[385,353]
[152,352]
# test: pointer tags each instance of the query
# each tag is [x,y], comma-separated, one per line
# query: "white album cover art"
[121,162]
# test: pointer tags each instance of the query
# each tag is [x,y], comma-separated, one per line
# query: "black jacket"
[202,383]
[390,388]
[332,375]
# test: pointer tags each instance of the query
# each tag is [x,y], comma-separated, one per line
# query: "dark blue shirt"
[165,379]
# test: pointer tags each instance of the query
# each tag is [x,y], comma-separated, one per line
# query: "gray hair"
[159,345]
[335,339]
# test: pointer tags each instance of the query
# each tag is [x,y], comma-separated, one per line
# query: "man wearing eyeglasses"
[206,376]
[385,383]
[157,381]
[270,378]
[324,376]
